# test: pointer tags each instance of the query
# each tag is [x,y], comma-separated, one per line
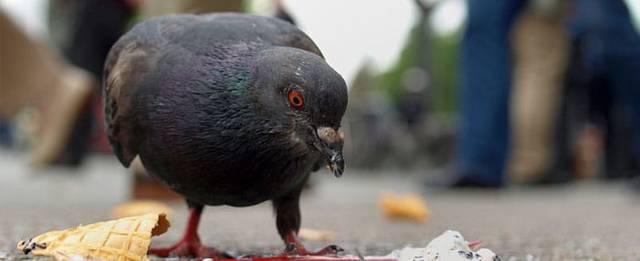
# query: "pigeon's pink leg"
[295,248]
[189,245]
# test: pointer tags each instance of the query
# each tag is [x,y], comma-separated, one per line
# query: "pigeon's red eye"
[295,99]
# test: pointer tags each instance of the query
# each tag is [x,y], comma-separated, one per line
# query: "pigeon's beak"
[330,144]
[336,163]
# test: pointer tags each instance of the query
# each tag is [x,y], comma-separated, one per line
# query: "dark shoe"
[550,178]
[455,180]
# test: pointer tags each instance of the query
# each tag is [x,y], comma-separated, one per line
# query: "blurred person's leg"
[625,74]
[621,160]
[32,76]
[537,86]
[613,46]
[573,111]
[27,70]
[92,27]
[5,133]
[95,27]
[486,68]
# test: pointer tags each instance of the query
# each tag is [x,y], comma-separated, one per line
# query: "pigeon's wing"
[122,75]
[129,62]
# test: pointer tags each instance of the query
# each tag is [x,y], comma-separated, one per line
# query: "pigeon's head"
[302,92]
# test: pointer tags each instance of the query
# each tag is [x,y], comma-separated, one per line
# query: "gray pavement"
[583,221]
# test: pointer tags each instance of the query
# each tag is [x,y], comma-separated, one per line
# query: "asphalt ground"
[580,221]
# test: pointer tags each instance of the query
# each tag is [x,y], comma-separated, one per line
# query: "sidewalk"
[582,221]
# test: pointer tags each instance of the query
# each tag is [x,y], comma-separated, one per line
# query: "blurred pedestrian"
[32,75]
[612,48]
[605,85]
[483,133]
[87,30]
[538,80]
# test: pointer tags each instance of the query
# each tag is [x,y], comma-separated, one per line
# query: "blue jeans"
[611,48]
[486,78]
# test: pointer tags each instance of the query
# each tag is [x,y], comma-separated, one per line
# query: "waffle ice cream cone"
[125,239]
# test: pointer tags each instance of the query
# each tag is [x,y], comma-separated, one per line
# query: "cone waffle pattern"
[125,239]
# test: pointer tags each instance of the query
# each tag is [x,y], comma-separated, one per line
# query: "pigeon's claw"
[299,250]
[295,248]
[190,245]
[330,250]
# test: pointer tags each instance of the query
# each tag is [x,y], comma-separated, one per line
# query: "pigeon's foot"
[189,248]
[295,248]
[190,245]
[299,250]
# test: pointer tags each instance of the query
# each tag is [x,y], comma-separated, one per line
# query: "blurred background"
[526,113]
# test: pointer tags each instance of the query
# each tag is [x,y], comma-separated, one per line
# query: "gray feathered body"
[180,92]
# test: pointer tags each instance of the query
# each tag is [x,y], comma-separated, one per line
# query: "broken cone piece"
[140,207]
[410,206]
[125,239]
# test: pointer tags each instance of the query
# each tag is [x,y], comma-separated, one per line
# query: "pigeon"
[226,109]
